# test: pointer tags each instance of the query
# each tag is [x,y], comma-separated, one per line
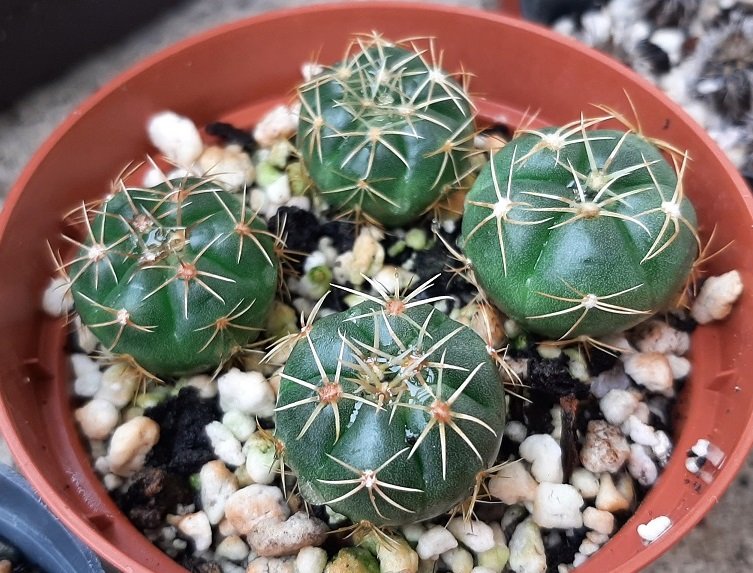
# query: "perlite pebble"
[605,449]
[278,124]
[224,444]
[311,560]
[217,485]
[118,385]
[658,336]
[585,482]
[516,431]
[97,418]
[651,370]
[240,424]
[527,549]
[557,506]
[273,538]
[255,503]
[458,560]
[57,299]
[717,296]
[435,541]
[513,484]
[176,137]
[474,534]
[609,498]
[228,166]
[196,527]
[617,405]
[262,464]
[679,365]
[87,375]
[640,433]
[641,466]
[247,392]
[545,456]
[130,444]
[232,548]
[598,520]
[614,379]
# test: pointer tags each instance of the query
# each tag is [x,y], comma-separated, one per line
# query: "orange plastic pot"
[238,71]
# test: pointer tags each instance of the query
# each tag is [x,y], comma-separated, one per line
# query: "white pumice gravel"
[513,484]
[225,445]
[262,464]
[273,538]
[474,534]
[97,418]
[545,456]
[641,466]
[217,484]
[458,560]
[247,392]
[176,137]
[617,405]
[57,299]
[558,506]
[196,527]
[130,444]
[118,385]
[232,548]
[717,296]
[598,520]
[87,376]
[279,124]
[251,505]
[527,549]
[609,497]
[241,425]
[585,482]
[435,541]
[658,336]
[606,448]
[651,370]
[655,528]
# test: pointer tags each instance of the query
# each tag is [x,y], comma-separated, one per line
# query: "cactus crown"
[575,231]
[178,277]
[389,410]
[385,132]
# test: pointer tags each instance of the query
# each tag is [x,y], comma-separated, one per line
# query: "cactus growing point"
[578,232]
[389,410]
[385,133]
[177,278]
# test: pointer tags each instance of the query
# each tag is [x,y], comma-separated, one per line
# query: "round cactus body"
[177,277]
[386,132]
[389,416]
[580,233]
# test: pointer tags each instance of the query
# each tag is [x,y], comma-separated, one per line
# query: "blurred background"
[55,53]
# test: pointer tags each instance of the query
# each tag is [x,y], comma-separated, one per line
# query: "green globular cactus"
[577,232]
[388,411]
[177,278]
[385,133]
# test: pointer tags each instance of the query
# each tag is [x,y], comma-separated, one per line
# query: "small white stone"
[609,498]
[614,379]
[311,560]
[130,444]
[247,392]
[641,466]
[97,418]
[273,538]
[87,375]
[119,385]
[262,464]
[597,27]
[596,537]
[196,527]
[663,447]
[626,487]
[112,482]
[435,541]
[579,559]
[458,560]
[655,528]
[224,444]
[176,137]
[527,549]
[84,336]
[671,41]
[617,405]
[206,386]
[228,166]
[513,484]
[658,336]
[556,414]
[413,532]
[516,431]
[240,424]
[557,506]
[475,535]
[217,485]
[272,565]
[278,124]
[598,520]
[679,365]
[642,413]
[57,299]
[308,71]
[717,296]
[588,547]
[247,507]
[232,548]
[585,482]
[278,192]
[545,456]
[367,256]
[651,370]
[605,450]
[641,433]
[302,202]
[390,277]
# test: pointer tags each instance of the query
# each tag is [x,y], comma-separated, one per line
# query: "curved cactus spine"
[389,410]
[386,132]
[578,232]
[177,277]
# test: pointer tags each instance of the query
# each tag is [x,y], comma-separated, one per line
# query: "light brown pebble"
[267,565]
[255,503]
[606,448]
[272,538]
[650,370]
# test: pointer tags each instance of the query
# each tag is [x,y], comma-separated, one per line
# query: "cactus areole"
[386,132]
[388,415]
[177,277]
[580,233]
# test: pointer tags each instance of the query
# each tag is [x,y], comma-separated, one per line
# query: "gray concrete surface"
[722,543]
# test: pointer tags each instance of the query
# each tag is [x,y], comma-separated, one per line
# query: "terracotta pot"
[236,72]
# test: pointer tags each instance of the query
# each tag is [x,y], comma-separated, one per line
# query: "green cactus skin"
[386,132]
[580,233]
[177,277]
[388,411]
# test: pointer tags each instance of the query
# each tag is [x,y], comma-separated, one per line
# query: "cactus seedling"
[177,277]
[385,132]
[578,232]
[389,410]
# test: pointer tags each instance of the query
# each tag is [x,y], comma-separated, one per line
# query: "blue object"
[30,527]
